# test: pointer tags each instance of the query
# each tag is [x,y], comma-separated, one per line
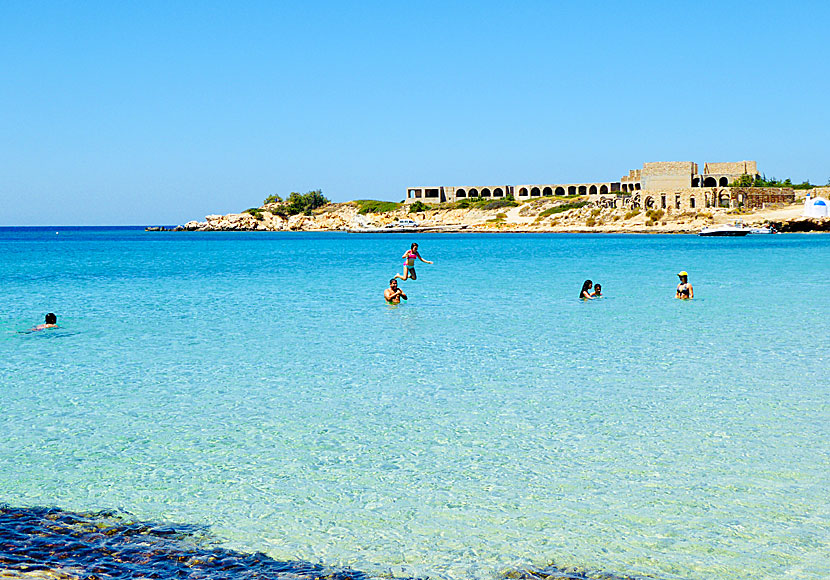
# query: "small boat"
[725,230]
[763,230]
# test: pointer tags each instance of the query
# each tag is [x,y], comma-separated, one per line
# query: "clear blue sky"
[161,112]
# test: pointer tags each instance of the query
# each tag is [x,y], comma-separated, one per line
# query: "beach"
[257,385]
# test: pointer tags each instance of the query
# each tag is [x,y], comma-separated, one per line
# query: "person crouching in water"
[393,294]
[409,263]
[684,289]
[586,293]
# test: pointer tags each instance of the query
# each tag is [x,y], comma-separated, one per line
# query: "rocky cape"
[540,215]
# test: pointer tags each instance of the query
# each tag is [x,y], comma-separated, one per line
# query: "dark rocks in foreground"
[55,544]
[804,224]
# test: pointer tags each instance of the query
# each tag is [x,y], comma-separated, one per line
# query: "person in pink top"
[409,263]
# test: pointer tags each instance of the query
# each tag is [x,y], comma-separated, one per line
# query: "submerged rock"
[56,544]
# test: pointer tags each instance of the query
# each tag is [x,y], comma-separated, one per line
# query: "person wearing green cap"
[684,289]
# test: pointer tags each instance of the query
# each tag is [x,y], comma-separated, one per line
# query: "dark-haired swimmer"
[393,294]
[586,293]
[50,322]
[597,290]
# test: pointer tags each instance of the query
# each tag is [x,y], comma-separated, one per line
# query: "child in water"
[597,291]
[409,263]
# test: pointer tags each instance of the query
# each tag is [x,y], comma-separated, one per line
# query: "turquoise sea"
[258,384]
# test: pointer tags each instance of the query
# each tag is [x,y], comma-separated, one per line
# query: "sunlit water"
[258,384]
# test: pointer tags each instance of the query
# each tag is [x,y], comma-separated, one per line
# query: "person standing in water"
[393,294]
[684,289]
[409,263]
[586,293]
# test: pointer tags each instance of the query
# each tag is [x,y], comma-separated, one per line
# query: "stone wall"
[633,175]
[660,175]
[693,199]
[823,191]
[758,197]
[731,168]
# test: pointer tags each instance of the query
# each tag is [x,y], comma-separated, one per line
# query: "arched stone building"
[668,185]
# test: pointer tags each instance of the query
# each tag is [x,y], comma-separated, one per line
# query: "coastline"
[546,215]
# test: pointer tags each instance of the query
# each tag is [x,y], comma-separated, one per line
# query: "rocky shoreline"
[541,215]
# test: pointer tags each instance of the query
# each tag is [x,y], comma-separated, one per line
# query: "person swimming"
[597,290]
[50,322]
[585,293]
[409,263]
[684,291]
[393,294]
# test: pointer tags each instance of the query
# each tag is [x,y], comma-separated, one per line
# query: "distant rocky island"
[313,212]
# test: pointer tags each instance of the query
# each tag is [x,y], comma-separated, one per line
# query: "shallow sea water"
[256,383]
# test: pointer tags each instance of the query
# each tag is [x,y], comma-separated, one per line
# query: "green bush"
[419,206]
[256,212]
[496,204]
[305,202]
[655,214]
[375,206]
[272,199]
[749,181]
[649,223]
[563,208]
[482,203]
[590,222]
[632,213]
[595,212]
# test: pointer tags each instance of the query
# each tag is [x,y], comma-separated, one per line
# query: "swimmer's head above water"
[51,321]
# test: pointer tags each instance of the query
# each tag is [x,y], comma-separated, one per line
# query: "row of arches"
[651,203]
[724,199]
[550,190]
[485,192]
[710,182]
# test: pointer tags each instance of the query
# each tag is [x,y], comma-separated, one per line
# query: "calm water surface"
[258,384]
